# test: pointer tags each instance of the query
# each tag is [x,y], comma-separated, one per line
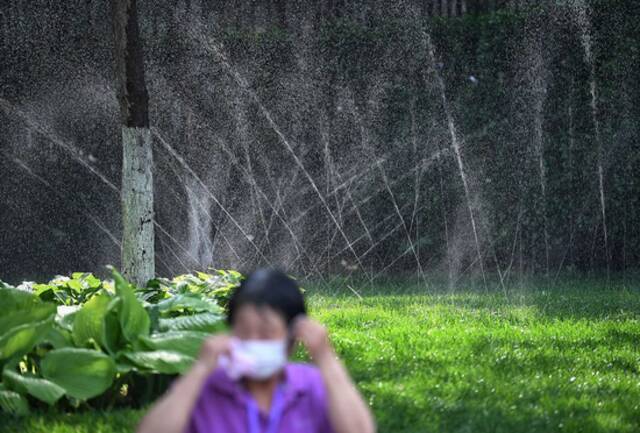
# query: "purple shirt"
[221,406]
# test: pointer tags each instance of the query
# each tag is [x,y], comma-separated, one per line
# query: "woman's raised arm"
[170,414]
[348,411]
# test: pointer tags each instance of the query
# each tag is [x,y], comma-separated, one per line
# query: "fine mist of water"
[584,23]
[455,142]
[372,145]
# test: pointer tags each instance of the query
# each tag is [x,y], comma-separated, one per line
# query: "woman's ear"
[291,343]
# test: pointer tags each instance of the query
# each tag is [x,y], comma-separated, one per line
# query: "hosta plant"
[79,340]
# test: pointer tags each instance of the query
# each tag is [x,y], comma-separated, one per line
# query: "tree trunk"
[138,252]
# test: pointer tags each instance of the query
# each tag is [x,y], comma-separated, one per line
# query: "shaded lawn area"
[562,360]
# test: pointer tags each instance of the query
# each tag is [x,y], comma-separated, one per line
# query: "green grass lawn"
[559,360]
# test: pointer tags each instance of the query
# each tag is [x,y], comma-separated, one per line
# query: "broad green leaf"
[75,285]
[191,301]
[39,289]
[58,338]
[20,308]
[83,280]
[13,403]
[41,389]
[185,342]
[161,361]
[181,287]
[230,275]
[21,339]
[93,282]
[154,317]
[112,334]
[134,319]
[153,283]
[235,274]
[150,295]
[82,373]
[204,322]
[203,276]
[94,322]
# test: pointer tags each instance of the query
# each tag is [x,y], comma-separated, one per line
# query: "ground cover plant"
[82,341]
[555,359]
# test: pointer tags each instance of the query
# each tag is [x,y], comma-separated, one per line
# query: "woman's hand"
[211,350]
[314,337]
[348,412]
[170,414]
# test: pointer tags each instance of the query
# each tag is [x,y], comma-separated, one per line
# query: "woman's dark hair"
[268,288]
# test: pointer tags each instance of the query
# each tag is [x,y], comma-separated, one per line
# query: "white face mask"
[255,359]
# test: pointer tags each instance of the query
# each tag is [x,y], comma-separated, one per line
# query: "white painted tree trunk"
[138,249]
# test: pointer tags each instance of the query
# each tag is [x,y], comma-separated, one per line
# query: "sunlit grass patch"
[530,362]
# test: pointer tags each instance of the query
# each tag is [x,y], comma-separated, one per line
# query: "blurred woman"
[243,382]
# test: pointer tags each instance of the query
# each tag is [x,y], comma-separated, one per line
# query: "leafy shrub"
[82,341]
